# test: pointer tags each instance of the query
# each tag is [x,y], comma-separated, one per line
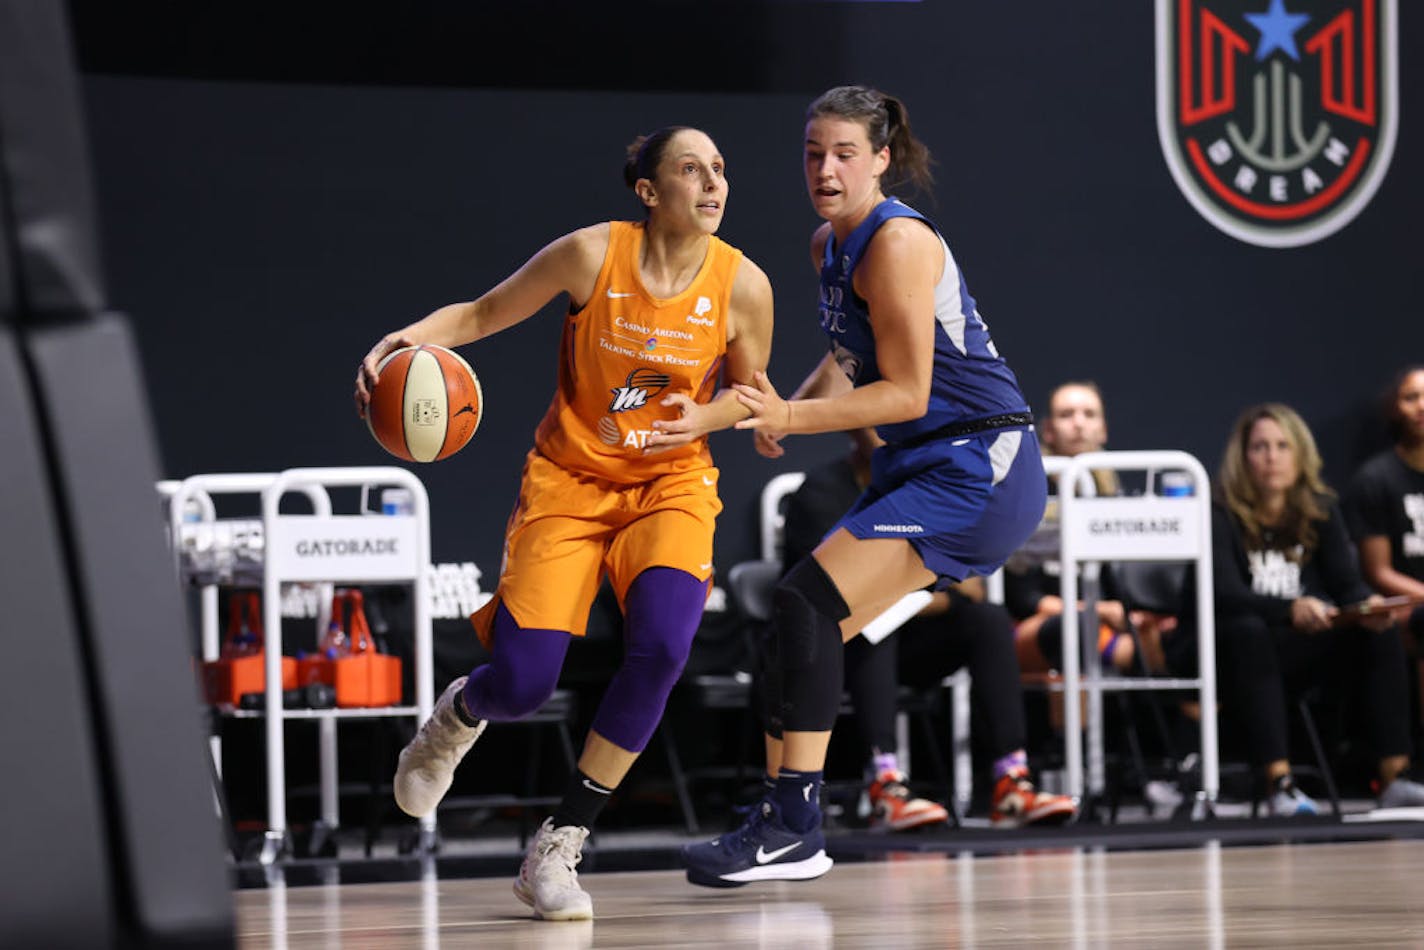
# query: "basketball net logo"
[1277,124]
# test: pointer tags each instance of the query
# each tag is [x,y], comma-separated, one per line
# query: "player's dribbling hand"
[366,374]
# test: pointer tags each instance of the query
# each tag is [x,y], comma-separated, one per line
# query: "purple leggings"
[661,612]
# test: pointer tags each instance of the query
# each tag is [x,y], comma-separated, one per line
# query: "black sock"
[798,795]
[462,713]
[583,800]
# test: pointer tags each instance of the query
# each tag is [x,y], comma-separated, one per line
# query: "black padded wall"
[271,231]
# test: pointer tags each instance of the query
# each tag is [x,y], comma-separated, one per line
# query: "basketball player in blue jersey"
[958,486]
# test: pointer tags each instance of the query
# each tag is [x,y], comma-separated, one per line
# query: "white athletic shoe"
[547,880]
[427,764]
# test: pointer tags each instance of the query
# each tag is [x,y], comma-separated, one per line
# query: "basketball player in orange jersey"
[663,318]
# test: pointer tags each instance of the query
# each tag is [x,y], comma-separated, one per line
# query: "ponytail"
[886,122]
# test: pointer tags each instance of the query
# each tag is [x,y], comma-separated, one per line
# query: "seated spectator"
[1283,571]
[1076,423]
[957,629]
[1385,505]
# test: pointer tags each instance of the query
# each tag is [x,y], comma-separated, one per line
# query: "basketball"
[426,404]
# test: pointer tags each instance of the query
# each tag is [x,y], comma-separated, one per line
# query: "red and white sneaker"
[893,808]
[1018,803]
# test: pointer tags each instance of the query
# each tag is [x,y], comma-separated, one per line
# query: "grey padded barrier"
[114,826]
[44,166]
[54,863]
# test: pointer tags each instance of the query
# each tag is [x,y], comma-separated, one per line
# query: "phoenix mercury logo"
[640,385]
[1278,124]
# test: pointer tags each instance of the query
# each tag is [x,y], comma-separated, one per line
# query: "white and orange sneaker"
[1018,803]
[894,808]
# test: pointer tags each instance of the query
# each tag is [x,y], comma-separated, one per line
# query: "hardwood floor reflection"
[1353,894]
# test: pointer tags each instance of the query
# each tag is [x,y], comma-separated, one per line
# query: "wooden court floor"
[1356,894]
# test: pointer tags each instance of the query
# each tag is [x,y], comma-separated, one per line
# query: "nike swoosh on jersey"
[763,856]
[614,296]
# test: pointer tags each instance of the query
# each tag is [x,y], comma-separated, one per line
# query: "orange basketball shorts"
[568,531]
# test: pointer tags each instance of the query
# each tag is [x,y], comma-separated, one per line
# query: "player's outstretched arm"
[896,278]
[568,265]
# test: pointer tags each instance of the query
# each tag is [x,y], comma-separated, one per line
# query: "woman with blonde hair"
[1292,610]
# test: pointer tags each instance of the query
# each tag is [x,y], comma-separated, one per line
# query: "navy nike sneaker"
[762,849]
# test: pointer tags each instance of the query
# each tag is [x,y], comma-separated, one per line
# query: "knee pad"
[808,609]
[808,612]
[766,688]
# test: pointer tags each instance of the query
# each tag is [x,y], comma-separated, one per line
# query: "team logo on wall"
[1277,117]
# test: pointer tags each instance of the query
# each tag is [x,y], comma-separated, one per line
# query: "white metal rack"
[320,548]
[1127,528]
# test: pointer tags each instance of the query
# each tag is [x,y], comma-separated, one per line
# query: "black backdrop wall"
[274,196]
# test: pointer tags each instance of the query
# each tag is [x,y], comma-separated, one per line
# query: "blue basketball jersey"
[970,380]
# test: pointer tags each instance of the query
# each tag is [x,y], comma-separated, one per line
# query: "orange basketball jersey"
[624,352]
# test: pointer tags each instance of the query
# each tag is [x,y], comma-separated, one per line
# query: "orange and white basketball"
[426,403]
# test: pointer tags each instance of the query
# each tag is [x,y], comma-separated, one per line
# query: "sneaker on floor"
[1288,801]
[426,766]
[547,880]
[1403,792]
[893,808]
[1018,803]
[762,849]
